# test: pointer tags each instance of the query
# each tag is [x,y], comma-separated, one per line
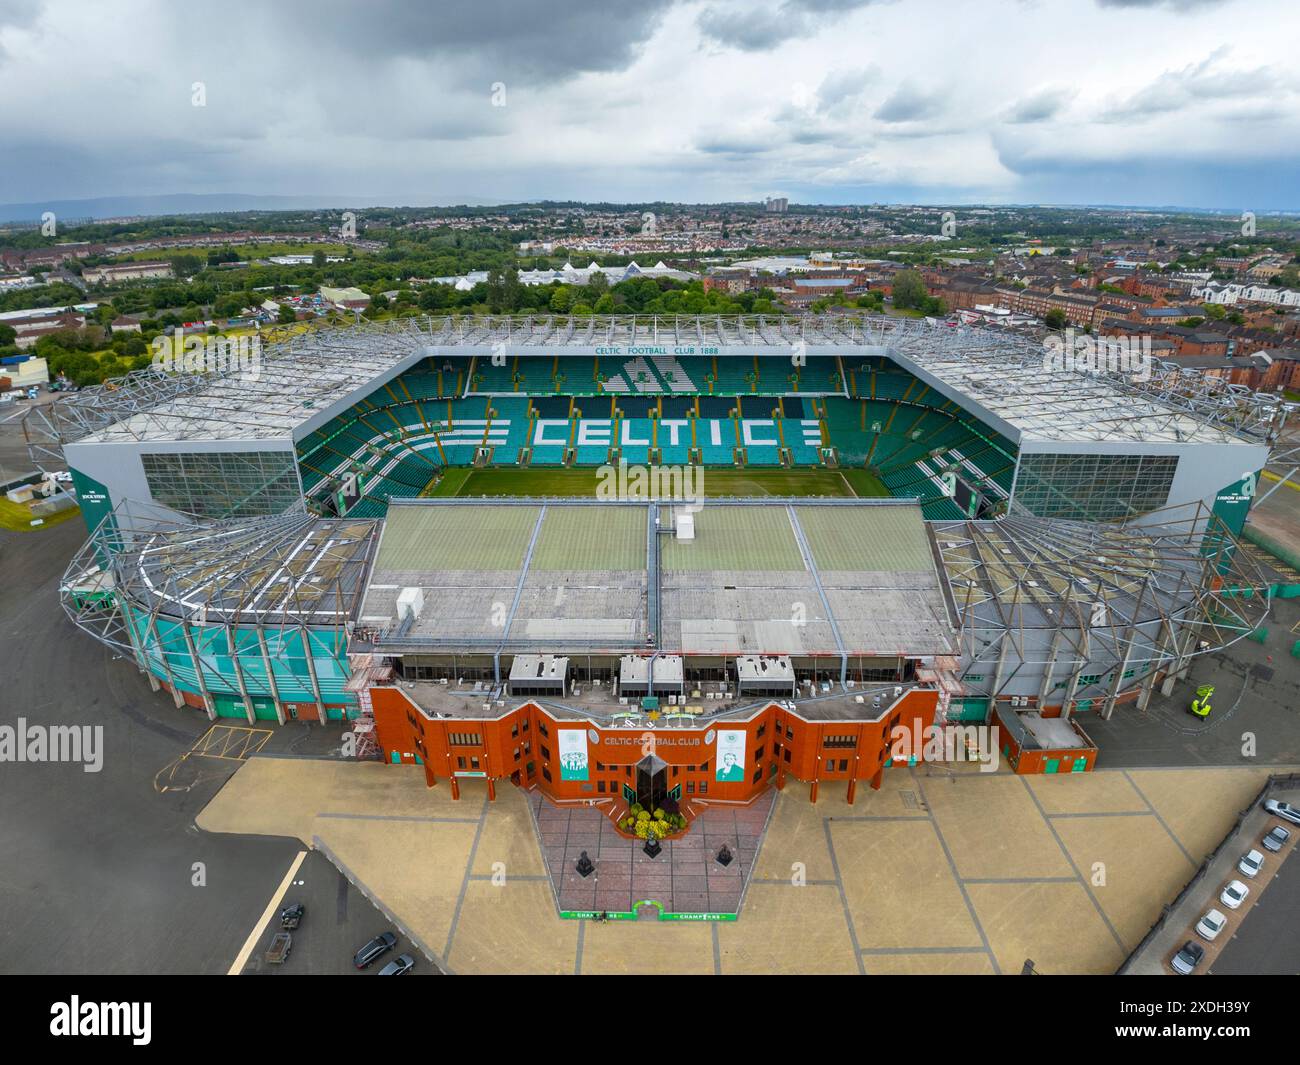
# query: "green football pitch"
[717,482]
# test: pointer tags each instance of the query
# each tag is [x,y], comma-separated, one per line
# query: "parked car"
[1209,926]
[398,967]
[1187,958]
[377,947]
[1275,838]
[1283,810]
[1251,863]
[1234,894]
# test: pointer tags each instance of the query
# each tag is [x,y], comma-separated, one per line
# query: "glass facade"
[224,484]
[1094,487]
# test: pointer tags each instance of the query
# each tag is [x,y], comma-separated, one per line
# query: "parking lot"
[336,921]
[1268,910]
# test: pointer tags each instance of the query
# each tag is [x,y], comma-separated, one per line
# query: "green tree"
[909,290]
[287,315]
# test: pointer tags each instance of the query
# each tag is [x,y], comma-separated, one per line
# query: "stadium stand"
[585,411]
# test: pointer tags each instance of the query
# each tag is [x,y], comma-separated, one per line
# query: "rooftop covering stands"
[322,366]
[656,372]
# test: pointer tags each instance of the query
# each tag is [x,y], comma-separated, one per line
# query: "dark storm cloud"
[751,29]
[1172,5]
[1040,106]
[1196,85]
[910,104]
[19,13]
[731,144]
[503,38]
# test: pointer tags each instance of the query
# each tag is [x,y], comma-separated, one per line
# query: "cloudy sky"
[1185,102]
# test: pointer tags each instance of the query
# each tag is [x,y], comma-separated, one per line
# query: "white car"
[1234,894]
[1251,863]
[1283,810]
[1209,926]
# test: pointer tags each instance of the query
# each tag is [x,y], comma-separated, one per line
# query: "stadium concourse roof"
[846,578]
[324,368]
[566,576]
[294,569]
[1100,581]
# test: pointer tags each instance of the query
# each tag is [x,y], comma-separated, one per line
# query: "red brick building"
[521,745]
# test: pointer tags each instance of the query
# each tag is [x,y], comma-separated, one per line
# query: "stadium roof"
[1009,379]
[321,369]
[843,578]
[290,570]
[799,578]
[1101,583]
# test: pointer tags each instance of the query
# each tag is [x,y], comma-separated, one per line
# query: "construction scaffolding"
[1066,612]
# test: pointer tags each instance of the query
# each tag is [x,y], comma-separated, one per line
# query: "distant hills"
[210,203]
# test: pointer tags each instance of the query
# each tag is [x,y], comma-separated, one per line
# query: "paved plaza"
[685,877]
[937,872]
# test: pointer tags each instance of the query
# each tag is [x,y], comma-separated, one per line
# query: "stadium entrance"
[651,782]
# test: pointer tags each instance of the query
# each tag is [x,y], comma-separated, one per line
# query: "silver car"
[1283,810]
[400,966]
[1275,838]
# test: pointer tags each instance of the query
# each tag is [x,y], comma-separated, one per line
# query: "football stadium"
[438,533]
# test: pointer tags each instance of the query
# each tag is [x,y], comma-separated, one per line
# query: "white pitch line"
[271,907]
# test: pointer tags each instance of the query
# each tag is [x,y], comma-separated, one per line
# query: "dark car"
[1275,838]
[1187,959]
[376,948]
[398,967]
